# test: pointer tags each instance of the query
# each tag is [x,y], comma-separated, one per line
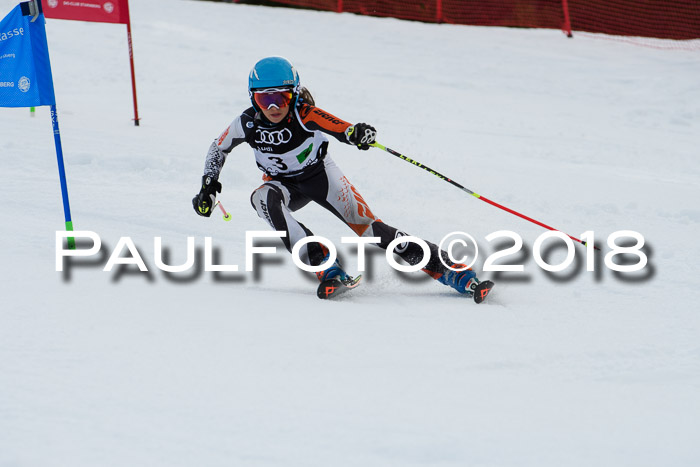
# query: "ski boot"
[335,281]
[465,282]
[334,271]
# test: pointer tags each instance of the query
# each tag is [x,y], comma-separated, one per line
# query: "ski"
[482,291]
[334,287]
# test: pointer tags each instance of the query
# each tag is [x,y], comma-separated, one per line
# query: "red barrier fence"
[665,19]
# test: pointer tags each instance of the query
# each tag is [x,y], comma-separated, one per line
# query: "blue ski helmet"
[273,72]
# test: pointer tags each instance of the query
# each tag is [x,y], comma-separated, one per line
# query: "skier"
[288,135]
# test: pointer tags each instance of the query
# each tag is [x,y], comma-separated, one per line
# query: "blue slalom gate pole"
[62,175]
[27,68]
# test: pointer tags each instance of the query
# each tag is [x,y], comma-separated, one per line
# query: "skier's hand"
[205,201]
[361,135]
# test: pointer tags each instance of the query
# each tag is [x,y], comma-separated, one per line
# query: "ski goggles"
[273,98]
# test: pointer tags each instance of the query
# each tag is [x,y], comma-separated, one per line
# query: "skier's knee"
[264,199]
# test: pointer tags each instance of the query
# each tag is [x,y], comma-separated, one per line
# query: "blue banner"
[25,70]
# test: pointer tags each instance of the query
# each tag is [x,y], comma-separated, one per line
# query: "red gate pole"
[567,19]
[131,60]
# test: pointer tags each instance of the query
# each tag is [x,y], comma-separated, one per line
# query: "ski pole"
[476,195]
[227,216]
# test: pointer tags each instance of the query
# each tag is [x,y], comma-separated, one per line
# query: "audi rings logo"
[273,137]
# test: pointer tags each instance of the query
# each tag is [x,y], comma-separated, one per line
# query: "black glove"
[205,201]
[362,135]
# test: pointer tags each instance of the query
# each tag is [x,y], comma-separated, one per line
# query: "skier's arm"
[205,201]
[231,137]
[360,135]
[314,119]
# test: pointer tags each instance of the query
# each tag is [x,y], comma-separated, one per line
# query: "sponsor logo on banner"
[83,4]
[11,33]
[106,11]
[25,71]
[23,84]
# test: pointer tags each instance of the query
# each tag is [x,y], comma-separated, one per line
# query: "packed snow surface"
[572,368]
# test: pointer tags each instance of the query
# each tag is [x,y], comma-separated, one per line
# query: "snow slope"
[569,369]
